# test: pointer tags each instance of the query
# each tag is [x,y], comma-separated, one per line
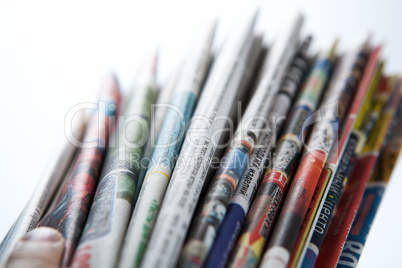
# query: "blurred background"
[53,55]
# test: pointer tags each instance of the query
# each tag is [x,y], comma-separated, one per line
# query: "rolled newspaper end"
[163,160]
[112,206]
[213,208]
[203,138]
[352,66]
[241,201]
[71,211]
[270,195]
[355,143]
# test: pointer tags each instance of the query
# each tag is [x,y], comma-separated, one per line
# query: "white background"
[54,54]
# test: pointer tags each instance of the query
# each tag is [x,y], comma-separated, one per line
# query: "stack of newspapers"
[262,154]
